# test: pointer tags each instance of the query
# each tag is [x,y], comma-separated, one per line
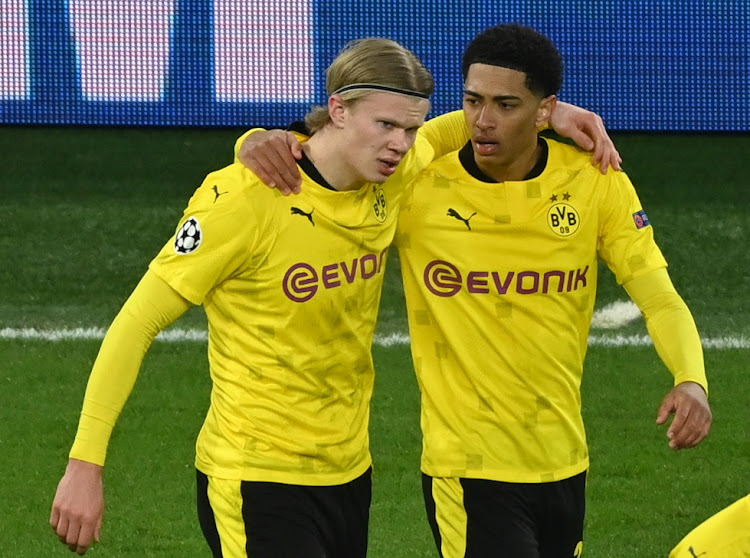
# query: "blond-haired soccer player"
[291,289]
[725,534]
[499,243]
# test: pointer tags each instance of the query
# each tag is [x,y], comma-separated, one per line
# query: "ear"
[544,112]
[337,110]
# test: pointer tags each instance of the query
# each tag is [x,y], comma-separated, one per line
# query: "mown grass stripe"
[389,340]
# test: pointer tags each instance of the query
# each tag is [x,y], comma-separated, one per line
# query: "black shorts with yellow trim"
[243,519]
[476,518]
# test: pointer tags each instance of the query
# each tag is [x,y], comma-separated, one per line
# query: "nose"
[399,141]
[485,120]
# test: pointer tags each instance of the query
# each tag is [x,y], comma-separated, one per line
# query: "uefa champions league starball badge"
[189,238]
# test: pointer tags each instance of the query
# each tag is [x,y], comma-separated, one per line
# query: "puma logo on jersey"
[217,193]
[453,213]
[298,211]
[692,551]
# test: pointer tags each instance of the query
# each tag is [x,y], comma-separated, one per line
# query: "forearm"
[670,325]
[152,307]
[446,133]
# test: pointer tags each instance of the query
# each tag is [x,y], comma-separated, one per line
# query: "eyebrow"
[496,98]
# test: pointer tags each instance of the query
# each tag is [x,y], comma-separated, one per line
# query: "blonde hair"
[371,61]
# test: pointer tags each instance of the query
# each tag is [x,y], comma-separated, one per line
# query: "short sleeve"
[626,238]
[214,239]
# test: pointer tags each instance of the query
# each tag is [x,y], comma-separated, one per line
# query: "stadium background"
[641,64]
[113,111]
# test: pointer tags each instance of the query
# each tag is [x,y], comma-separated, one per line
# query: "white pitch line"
[177,335]
[615,315]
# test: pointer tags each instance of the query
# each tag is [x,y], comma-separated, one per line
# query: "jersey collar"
[466,156]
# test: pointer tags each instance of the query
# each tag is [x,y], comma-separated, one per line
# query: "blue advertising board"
[662,65]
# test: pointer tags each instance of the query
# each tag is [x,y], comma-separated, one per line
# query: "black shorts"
[475,518]
[273,520]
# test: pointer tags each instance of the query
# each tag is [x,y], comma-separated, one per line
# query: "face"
[377,132]
[503,117]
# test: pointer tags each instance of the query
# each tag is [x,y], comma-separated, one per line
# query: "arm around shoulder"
[446,132]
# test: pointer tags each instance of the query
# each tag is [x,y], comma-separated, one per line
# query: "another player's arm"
[587,129]
[273,154]
[676,339]
[78,507]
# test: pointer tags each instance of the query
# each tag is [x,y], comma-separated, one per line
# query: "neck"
[325,153]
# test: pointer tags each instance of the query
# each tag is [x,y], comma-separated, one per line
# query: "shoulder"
[419,156]
[569,156]
[233,200]
[232,189]
[440,177]
[447,167]
[576,164]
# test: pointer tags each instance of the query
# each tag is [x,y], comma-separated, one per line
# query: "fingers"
[78,506]
[54,518]
[690,431]
[605,153]
[265,168]
[666,409]
[583,138]
[676,431]
[284,160]
[85,538]
[692,416]
[76,533]
[294,146]
[273,157]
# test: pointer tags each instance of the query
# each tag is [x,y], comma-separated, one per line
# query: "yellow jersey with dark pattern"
[291,287]
[500,282]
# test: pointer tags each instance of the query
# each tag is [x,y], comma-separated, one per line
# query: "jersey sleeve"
[446,133]
[215,238]
[670,325]
[152,306]
[625,237]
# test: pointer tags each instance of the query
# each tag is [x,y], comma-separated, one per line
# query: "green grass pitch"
[84,210]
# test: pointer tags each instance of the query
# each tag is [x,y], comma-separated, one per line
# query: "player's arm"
[78,506]
[676,339]
[273,154]
[587,129]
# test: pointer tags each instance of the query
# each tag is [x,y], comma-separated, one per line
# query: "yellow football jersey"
[725,535]
[291,287]
[500,281]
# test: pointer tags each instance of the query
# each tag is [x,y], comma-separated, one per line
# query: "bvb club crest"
[563,219]
[379,206]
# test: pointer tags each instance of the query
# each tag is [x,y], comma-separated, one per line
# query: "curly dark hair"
[520,48]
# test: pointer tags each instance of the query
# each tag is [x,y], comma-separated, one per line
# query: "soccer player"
[499,243]
[725,534]
[291,290]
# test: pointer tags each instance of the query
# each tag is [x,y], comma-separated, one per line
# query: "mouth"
[485,146]
[387,166]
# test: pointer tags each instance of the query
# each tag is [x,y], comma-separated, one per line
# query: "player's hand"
[692,415]
[78,508]
[587,130]
[273,156]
